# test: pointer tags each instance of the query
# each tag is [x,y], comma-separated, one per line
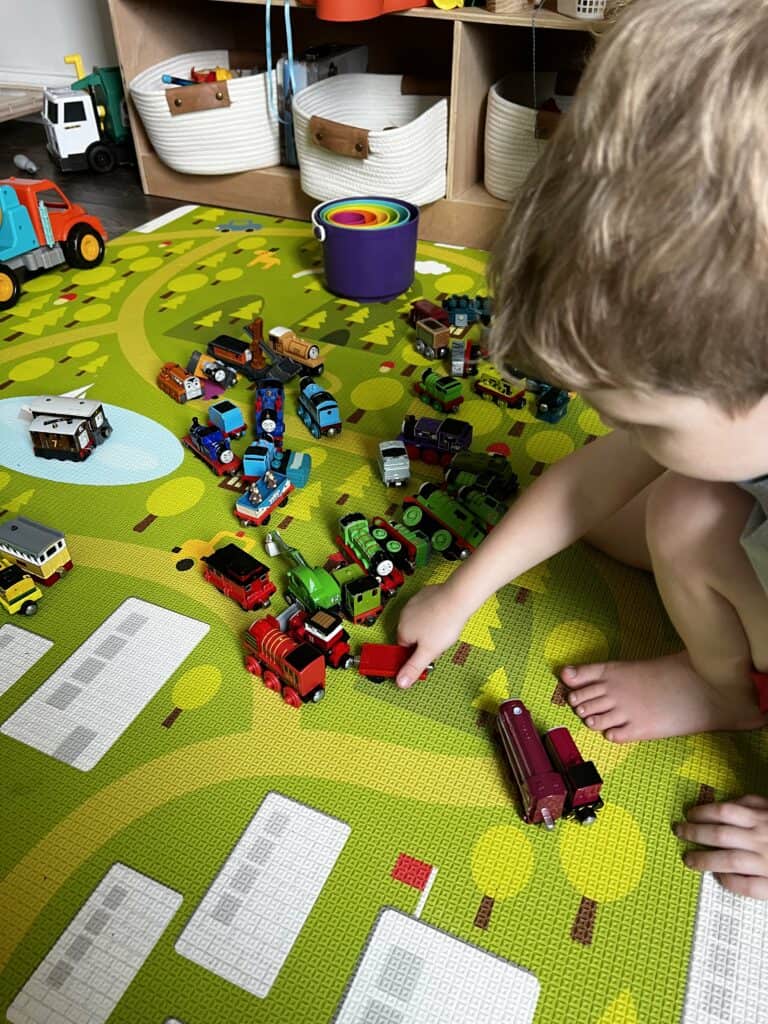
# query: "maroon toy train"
[553,778]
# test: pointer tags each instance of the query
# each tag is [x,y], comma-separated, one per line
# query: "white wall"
[37,34]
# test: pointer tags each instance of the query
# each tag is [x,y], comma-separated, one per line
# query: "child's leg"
[717,605]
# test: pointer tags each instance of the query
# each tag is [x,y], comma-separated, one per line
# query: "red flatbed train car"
[378,662]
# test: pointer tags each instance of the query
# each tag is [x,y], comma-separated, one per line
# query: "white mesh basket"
[511,146]
[193,131]
[359,135]
[589,10]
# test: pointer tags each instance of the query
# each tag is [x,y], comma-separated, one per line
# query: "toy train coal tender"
[553,779]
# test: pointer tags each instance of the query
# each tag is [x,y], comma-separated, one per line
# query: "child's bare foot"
[648,700]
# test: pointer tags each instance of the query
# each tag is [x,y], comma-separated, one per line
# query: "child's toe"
[580,675]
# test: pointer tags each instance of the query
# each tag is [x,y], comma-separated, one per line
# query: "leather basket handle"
[203,96]
[336,137]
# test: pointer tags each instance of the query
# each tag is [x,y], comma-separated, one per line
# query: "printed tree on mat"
[15,505]
[502,865]
[305,501]
[196,687]
[249,311]
[171,499]
[604,862]
[209,320]
[314,321]
[621,1011]
[381,334]
[493,691]
[359,316]
[355,485]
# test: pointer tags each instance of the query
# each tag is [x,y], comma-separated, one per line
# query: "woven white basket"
[407,139]
[588,10]
[238,137]
[511,146]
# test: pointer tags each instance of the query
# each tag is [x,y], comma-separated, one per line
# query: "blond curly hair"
[636,254]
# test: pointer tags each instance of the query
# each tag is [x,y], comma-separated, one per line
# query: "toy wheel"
[347,661]
[271,681]
[291,697]
[394,547]
[333,431]
[376,679]
[379,533]
[10,288]
[252,666]
[29,608]
[264,522]
[412,515]
[283,503]
[266,603]
[84,247]
[317,695]
[441,540]
[100,158]
[370,621]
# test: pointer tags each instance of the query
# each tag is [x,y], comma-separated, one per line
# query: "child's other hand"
[432,622]
[737,834]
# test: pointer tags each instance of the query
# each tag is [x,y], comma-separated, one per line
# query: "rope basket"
[511,146]
[209,128]
[360,135]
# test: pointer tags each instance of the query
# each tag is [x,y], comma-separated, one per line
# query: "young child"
[634,268]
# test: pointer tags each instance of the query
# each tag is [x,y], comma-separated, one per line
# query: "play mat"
[194,849]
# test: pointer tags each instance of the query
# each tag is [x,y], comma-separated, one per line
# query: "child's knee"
[691,522]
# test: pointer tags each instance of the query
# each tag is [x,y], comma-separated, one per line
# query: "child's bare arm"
[572,496]
[736,834]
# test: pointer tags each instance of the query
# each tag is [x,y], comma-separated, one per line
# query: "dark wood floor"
[115,198]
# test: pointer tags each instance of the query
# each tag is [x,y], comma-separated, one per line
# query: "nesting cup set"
[369,246]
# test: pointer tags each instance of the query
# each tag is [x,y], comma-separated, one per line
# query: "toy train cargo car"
[423,309]
[240,576]
[379,662]
[245,357]
[501,391]
[581,778]
[227,418]
[433,338]
[66,429]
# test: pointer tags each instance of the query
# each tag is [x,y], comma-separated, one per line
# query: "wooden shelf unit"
[469,47]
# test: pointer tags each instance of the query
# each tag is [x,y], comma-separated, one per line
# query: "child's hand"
[432,622]
[737,834]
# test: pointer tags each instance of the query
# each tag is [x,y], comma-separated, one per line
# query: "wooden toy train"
[553,779]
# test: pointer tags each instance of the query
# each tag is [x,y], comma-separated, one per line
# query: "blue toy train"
[318,409]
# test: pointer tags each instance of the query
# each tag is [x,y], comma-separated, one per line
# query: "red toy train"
[553,779]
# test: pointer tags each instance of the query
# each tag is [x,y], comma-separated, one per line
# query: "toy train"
[38,550]
[285,343]
[435,441]
[294,669]
[379,662]
[227,418]
[487,471]
[239,576]
[357,541]
[178,384]
[463,311]
[452,529]
[268,410]
[66,428]
[501,391]
[433,338]
[443,393]
[423,309]
[269,492]
[316,588]
[318,409]
[553,779]
[212,447]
